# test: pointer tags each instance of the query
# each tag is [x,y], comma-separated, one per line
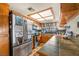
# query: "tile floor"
[69,47]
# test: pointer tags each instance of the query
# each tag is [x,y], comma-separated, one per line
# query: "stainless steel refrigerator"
[20,37]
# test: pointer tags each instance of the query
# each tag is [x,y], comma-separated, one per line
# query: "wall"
[56,10]
[73,24]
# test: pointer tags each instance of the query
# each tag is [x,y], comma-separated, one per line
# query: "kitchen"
[25,33]
[38,29]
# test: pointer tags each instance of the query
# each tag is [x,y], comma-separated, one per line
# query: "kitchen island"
[51,48]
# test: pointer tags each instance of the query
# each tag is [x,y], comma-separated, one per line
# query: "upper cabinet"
[4,28]
[4,21]
[4,9]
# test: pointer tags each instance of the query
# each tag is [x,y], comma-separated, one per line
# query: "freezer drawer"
[23,50]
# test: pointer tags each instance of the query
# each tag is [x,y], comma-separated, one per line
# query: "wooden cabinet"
[44,38]
[4,29]
[4,45]
[4,9]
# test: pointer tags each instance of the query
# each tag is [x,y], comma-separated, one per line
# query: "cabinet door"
[4,27]
[4,9]
[4,45]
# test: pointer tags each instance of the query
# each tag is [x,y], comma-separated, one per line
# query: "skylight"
[36,16]
[46,13]
[49,18]
[43,15]
[41,19]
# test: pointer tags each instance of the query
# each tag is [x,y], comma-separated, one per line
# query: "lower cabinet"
[23,50]
[4,45]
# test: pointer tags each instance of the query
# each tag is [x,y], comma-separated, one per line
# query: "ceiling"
[23,8]
[68,11]
[65,7]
